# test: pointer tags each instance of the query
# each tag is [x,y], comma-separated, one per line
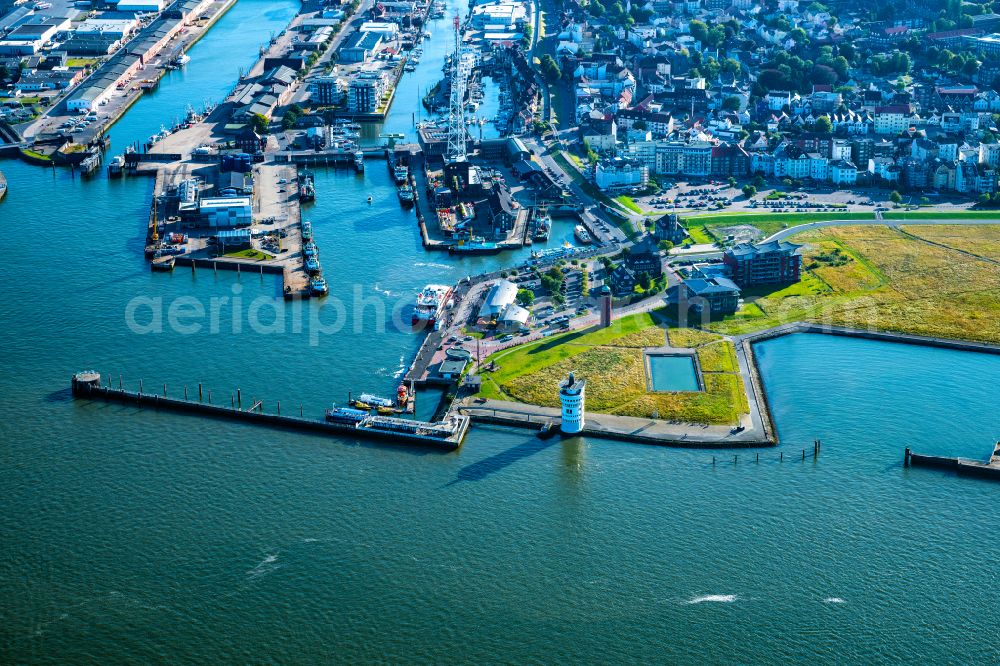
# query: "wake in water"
[384,292]
[431,264]
[401,369]
[713,598]
[834,600]
[265,566]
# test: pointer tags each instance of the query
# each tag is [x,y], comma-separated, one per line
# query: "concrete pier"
[87,385]
[962,466]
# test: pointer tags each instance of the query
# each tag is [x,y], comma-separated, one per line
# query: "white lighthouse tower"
[571,394]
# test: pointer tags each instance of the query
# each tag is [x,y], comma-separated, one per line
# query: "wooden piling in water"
[200,398]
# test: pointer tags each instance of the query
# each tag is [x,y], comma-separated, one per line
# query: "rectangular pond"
[672,373]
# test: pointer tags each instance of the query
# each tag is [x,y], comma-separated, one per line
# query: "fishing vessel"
[345,415]
[400,173]
[307,188]
[317,286]
[310,250]
[182,60]
[359,161]
[406,195]
[431,302]
[313,266]
[307,230]
[543,226]
[582,234]
[474,245]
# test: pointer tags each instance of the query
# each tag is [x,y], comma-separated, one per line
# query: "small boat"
[317,286]
[582,234]
[310,250]
[164,264]
[400,173]
[116,167]
[313,266]
[182,60]
[369,199]
[386,411]
[361,405]
[307,231]
[375,400]
[359,161]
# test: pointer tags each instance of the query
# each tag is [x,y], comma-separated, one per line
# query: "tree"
[749,191]
[731,181]
[525,297]
[823,125]
[665,245]
[644,281]
[550,69]
[259,123]
[895,197]
[731,103]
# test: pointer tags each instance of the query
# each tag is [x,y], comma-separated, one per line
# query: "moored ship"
[582,234]
[406,195]
[542,228]
[345,415]
[400,173]
[317,286]
[474,245]
[431,302]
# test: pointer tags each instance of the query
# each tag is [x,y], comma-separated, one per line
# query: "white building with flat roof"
[225,211]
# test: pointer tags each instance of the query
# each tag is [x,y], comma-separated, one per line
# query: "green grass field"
[924,283]
[612,360]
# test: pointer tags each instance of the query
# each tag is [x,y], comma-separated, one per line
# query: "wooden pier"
[447,434]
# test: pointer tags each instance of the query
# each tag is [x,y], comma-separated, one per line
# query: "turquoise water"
[673,373]
[132,537]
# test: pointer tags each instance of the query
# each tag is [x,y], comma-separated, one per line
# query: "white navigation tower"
[572,396]
[460,70]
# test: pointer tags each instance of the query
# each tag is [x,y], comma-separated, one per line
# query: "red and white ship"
[431,302]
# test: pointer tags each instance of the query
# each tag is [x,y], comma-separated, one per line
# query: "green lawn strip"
[768,223]
[630,204]
[248,254]
[944,215]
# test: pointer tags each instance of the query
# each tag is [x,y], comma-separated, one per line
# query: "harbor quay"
[82,117]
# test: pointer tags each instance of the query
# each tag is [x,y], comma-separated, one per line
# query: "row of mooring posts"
[236,399]
[817,446]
